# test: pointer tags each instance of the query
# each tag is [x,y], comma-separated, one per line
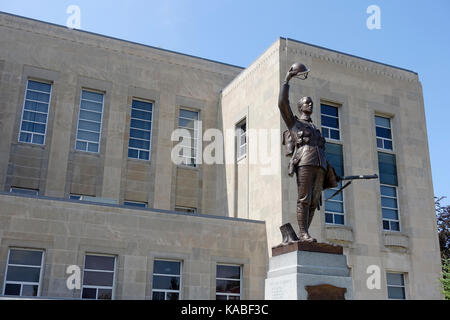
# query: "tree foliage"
[443,223]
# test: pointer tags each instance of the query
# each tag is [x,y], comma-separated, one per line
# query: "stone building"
[88,182]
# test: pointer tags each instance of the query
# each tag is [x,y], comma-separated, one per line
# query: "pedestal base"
[302,271]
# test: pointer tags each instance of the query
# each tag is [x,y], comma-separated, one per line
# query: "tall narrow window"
[166,280]
[228,282]
[334,208]
[242,139]
[330,122]
[23,273]
[33,126]
[384,133]
[189,120]
[140,130]
[396,286]
[90,121]
[388,188]
[98,277]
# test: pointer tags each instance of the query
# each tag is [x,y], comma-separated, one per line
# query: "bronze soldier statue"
[304,142]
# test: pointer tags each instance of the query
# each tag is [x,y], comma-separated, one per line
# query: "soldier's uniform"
[304,142]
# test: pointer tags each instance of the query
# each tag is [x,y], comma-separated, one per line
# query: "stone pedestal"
[308,271]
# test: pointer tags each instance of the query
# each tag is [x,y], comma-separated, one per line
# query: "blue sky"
[414,35]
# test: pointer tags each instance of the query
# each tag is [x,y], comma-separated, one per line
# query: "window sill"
[395,239]
[339,233]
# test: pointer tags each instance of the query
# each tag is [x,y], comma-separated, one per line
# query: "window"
[89,121]
[98,277]
[396,286]
[166,280]
[242,139]
[189,120]
[33,126]
[388,189]
[186,209]
[384,133]
[23,273]
[30,192]
[140,130]
[135,204]
[334,208]
[330,122]
[228,282]
[75,197]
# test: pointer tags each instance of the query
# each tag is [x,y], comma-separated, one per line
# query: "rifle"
[351,178]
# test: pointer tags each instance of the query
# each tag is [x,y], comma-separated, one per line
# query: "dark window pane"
[396,293]
[38,96]
[157,295]
[12,289]
[228,286]
[142,105]
[388,168]
[141,144]
[89,293]
[38,139]
[26,274]
[98,97]
[93,278]
[133,153]
[234,298]
[104,294]
[166,282]
[395,226]
[40,86]
[140,134]
[381,121]
[92,147]
[384,133]
[135,204]
[140,124]
[25,257]
[34,116]
[388,202]
[334,134]
[221,297]
[229,272]
[334,206]
[33,127]
[385,225]
[333,152]
[172,296]
[81,146]
[388,191]
[167,267]
[142,115]
[88,125]
[189,114]
[144,155]
[329,110]
[29,192]
[325,132]
[36,106]
[89,136]
[388,144]
[187,123]
[91,106]
[379,143]
[92,116]
[330,122]
[338,219]
[390,214]
[25,137]
[328,218]
[29,291]
[99,262]
[395,279]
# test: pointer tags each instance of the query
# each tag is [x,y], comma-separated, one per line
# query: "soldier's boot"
[302,218]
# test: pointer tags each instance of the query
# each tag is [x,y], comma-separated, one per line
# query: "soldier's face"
[307,108]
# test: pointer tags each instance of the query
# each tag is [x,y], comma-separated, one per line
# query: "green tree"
[443,223]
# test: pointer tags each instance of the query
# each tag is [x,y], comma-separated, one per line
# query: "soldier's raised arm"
[283,102]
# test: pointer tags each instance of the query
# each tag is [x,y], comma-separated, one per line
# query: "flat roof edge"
[122,40]
[350,55]
[208,216]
